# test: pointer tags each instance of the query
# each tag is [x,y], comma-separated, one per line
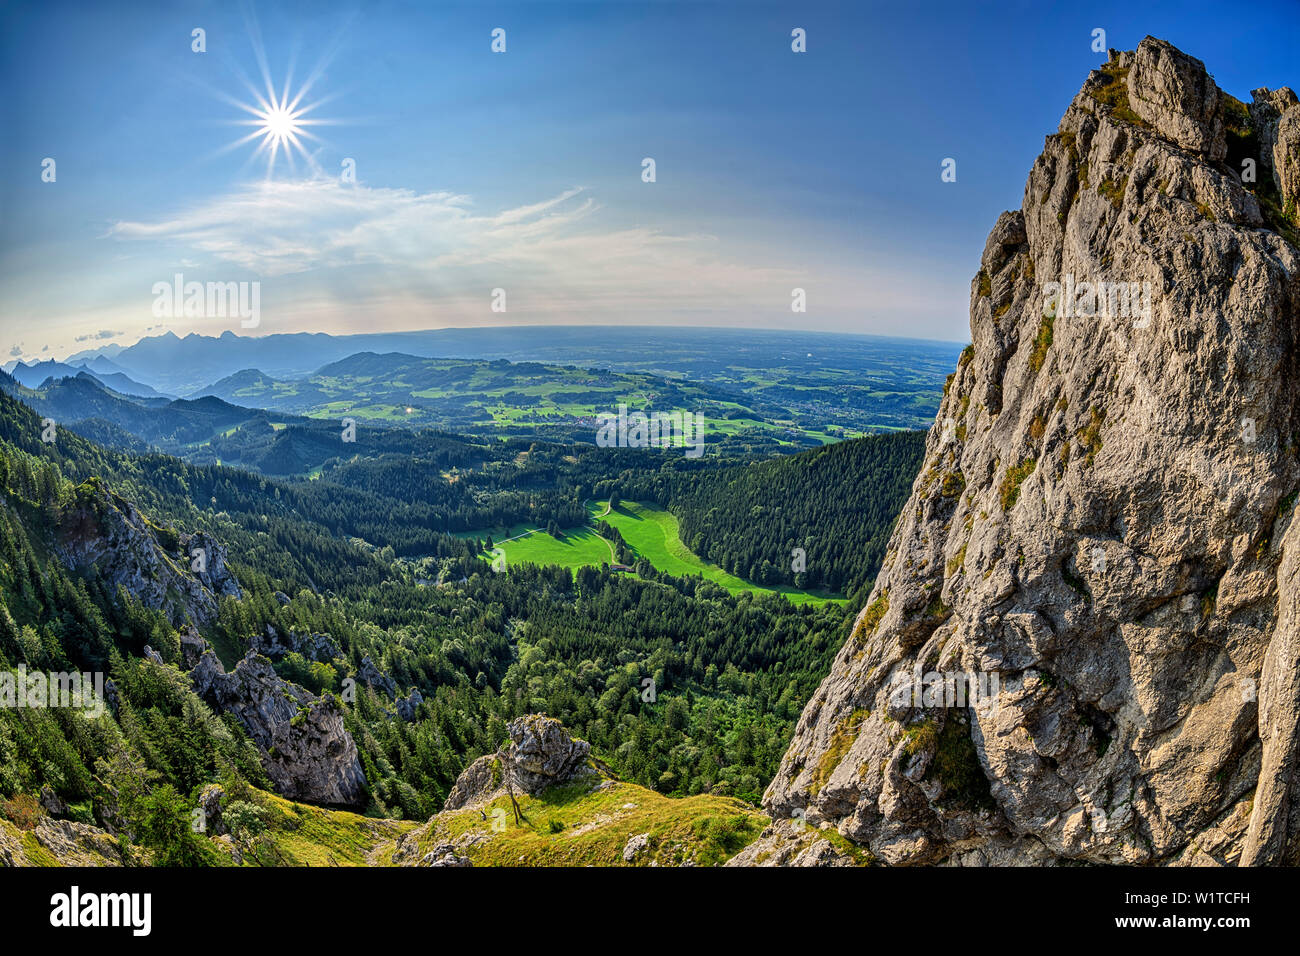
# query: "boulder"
[210,803]
[635,847]
[538,754]
[444,855]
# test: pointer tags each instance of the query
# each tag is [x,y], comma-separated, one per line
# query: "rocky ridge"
[1103,521]
[539,753]
[181,574]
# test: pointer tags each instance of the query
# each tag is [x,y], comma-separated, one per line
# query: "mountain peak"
[1099,550]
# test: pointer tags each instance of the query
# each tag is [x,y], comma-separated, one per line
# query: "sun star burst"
[279,119]
[280,126]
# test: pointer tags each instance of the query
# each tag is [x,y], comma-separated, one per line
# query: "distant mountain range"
[100,368]
[275,403]
[190,365]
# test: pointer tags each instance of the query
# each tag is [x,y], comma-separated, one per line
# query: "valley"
[361,585]
[438,598]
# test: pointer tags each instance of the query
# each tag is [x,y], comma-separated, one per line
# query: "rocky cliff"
[1085,641]
[183,575]
[307,752]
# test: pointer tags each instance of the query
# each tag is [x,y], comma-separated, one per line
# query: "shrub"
[1010,489]
[244,819]
[1042,342]
[22,810]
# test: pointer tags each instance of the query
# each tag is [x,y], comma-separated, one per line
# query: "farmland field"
[756,393]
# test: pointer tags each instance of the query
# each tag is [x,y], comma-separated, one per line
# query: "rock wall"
[109,533]
[307,752]
[1102,528]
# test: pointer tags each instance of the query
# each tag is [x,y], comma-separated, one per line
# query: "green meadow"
[650,531]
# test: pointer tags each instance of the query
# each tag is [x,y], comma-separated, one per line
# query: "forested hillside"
[730,674]
[837,503]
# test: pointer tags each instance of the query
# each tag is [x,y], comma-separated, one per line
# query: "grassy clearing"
[576,548]
[305,835]
[574,826]
[651,532]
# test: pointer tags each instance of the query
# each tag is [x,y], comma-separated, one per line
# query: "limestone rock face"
[314,647]
[1171,91]
[307,752]
[480,782]
[108,532]
[370,675]
[72,844]
[193,647]
[1275,115]
[1100,546]
[539,754]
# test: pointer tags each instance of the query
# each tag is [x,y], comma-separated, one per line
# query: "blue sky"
[522,170]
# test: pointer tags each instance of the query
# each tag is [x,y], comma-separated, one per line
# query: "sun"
[279,118]
[280,123]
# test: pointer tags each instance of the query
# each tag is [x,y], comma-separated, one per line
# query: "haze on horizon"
[523,170]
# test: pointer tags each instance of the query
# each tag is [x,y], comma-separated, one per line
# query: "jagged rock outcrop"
[314,647]
[539,754]
[64,842]
[370,675]
[306,751]
[408,707]
[1102,531]
[158,567]
[193,647]
[51,803]
[1275,117]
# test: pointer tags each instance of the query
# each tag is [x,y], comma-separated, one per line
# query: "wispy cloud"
[438,242]
[99,336]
